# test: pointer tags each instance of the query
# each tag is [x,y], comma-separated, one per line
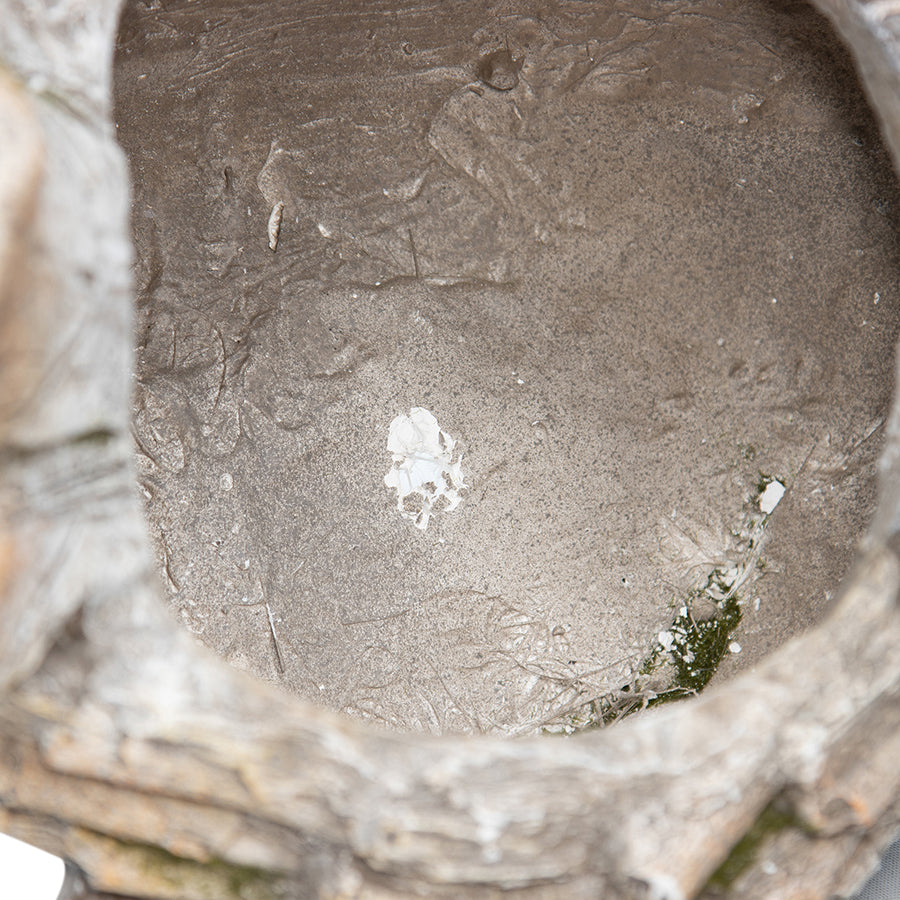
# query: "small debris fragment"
[771,496]
[406,190]
[274,228]
[734,647]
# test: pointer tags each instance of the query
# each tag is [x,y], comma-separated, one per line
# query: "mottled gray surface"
[660,266]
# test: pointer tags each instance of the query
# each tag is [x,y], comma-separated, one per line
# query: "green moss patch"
[772,820]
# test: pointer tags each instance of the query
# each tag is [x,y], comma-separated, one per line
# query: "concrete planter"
[161,771]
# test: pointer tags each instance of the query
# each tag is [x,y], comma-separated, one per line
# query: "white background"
[27,873]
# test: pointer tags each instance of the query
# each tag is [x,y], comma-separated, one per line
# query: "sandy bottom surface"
[637,259]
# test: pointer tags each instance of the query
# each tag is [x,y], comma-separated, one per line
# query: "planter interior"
[639,260]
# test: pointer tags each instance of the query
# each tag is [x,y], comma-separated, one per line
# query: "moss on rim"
[698,648]
[693,651]
[772,820]
[167,875]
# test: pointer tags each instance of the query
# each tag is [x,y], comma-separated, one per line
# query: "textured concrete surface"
[659,267]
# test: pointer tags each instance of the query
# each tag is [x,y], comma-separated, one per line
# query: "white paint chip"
[734,647]
[771,496]
[427,471]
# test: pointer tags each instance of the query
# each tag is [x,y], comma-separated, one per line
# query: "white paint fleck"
[771,496]
[734,647]
[666,640]
[427,470]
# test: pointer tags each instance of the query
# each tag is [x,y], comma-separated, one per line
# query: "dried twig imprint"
[278,658]
[279,661]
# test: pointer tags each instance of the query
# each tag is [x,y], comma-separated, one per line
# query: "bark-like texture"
[163,773]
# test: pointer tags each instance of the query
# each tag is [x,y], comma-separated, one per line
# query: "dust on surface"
[654,265]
